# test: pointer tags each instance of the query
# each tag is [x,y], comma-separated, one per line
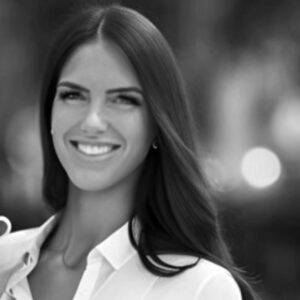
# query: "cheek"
[62,120]
[139,130]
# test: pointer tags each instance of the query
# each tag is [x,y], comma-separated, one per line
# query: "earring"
[155,145]
[52,131]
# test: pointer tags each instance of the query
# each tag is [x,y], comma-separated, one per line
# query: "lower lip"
[94,157]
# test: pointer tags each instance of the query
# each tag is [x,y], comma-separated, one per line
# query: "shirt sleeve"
[219,286]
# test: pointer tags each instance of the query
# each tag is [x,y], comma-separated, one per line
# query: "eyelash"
[131,100]
[65,95]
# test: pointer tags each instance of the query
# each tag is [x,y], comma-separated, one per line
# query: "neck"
[88,218]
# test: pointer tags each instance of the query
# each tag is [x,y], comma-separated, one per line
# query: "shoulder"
[212,282]
[216,282]
[206,280]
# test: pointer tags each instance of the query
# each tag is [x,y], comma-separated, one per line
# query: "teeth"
[93,149]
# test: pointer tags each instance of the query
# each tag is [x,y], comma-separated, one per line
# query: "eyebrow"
[125,89]
[109,91]
[73,86]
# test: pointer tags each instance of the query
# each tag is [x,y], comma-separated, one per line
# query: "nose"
[94,123]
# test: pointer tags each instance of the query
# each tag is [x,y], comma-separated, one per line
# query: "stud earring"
[155,145]
[52,131]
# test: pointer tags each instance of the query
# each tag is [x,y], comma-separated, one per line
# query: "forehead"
[99,62]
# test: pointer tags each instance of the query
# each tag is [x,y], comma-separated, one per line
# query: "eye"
[125,100]
[70,96]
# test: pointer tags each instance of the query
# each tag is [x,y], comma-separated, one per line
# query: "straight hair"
[173,207]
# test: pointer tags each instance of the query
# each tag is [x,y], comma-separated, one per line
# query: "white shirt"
[113,272]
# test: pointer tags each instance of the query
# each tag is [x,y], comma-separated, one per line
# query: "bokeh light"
[5,225]
[260,167]
[285,128]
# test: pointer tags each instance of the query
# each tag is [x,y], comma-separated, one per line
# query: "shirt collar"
[117,248]
[44,230]
[29,240]
[20,251]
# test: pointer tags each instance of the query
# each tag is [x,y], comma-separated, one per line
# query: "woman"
[134,220]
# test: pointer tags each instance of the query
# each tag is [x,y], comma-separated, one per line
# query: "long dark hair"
[173,206]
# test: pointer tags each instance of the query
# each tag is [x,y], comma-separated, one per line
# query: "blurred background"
[241,62]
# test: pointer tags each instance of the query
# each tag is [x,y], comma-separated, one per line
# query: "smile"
[91,149]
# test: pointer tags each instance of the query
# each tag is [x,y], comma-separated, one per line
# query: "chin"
[90,182]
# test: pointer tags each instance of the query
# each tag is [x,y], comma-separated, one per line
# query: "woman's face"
[102,127]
